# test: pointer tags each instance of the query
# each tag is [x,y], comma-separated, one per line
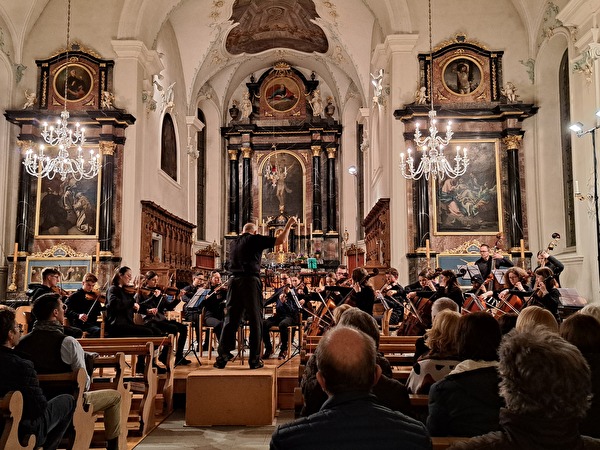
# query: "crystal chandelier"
[433,162]
[64,138]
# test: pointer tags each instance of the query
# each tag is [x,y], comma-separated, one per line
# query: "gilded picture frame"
[463,75]
[72,270]
[80,82]
[282,184]
[470,204]
[67,209]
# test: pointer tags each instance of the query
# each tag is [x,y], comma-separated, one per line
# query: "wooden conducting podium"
[235,395]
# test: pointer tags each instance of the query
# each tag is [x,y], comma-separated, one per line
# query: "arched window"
[567,156]
[201,177]
[168,148]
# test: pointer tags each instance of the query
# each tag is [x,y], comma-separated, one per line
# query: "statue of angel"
[30,99]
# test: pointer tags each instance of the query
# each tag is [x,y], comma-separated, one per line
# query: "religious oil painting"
[67,208]
[72,270]
[282,185]
[79,82]
[470,203]
[282,94]
[462,75]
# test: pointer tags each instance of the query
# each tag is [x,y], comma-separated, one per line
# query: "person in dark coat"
[389,392]
[46,420]
[583,332]
[351,418]
[545,382]
[466,402]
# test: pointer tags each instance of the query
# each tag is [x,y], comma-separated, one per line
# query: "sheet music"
[470,271]
[570,297]
[197,299]
[499,275]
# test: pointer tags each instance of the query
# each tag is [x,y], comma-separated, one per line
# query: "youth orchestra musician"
[546,292]
[287,310]
[192,297]
[153,305]
[362,294]
[393,295]
[214,306]
[84,306]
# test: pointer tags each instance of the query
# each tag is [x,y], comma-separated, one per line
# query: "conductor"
[245,291]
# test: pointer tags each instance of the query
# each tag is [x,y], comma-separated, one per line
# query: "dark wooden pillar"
[316,187]
[515,221]
[331,191]
[246,185]
[234,193]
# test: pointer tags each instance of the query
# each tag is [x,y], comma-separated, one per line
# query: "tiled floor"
[172,434]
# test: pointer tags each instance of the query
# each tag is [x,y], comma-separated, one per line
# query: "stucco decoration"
[549,23]
[287,24]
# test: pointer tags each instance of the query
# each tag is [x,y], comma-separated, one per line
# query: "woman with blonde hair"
[442,356]
[535,315]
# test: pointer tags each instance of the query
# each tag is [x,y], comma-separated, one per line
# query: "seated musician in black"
[214,306]
[153,305]
[303,295]
[84,307]
[287,310]
[394,296]
[546,293]
[191,296]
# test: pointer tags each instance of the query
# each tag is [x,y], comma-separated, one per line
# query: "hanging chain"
[67,54]
[430,60]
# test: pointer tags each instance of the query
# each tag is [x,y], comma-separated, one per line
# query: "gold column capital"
[107,148]
[331,153]
[316,150]
[512,142]
[246,152]
[233,155]
[25,145]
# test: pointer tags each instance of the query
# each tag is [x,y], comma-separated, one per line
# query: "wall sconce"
[581,197]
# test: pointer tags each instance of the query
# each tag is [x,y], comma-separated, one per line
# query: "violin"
[93,296]
[130,289]
[60,291]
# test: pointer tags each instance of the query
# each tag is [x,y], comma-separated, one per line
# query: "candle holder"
[13,284]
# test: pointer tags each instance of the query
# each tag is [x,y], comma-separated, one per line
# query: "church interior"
[203,115]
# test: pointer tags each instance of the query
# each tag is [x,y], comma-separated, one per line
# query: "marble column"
[421,205]
[233,226]
[331,191]
[107,199]
[316,186]
[23,206]
[246,185]
[515,223]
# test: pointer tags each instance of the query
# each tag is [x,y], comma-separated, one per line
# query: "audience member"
[351,418]
[442,357]
[583,332]
[438,306]
[51,351]
[390,393]
[507,322]
[536,315]
[591,310]
[545,383]
[339,310]
[466,402]
[46,420]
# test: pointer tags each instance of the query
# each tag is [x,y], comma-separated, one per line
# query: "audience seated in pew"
[47,343]
[466,402]
[535,315]
[47,420]
[545,382]
[442,357]
[583,332]
[438,306]
[351,418]
[389,392]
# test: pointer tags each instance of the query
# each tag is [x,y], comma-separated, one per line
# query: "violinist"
[342,276]
[303,296]
[84,306]
[191,296]
[487,261]
[546,292]
[153,304]
[545,259]
[362,294]
[121,305]
[328,290]
[287,309]
[449,287]
[393,294]
[419,319]
[214,305]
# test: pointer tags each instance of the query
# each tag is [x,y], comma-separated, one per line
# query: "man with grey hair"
[245,291]
[545,382]
[351,418]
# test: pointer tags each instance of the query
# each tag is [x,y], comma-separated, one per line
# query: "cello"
[419,306]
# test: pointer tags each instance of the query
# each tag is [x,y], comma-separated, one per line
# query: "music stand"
[193,309]
[499,275]
[469,271]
